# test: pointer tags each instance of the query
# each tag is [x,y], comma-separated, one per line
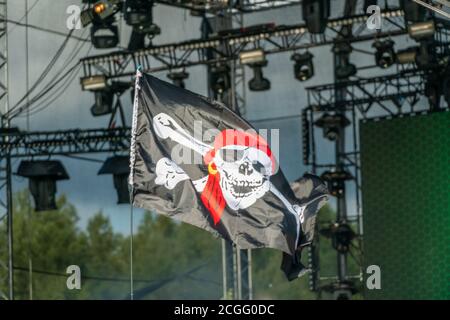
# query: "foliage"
[170,260]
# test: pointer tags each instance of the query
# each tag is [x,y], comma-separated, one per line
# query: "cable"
[24,16]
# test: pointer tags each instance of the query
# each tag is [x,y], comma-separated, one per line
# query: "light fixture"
[104,34]
[93,83]
[258,82]
[331,125]
[104,98]
[344,69]
[178,77]
[139,15]
[119,167]
[303,67]
[220,78]
[252,57]
[316,13]
[384,54]
[407,55]
[101,10]
[42,176]
[421,30]
[336,181]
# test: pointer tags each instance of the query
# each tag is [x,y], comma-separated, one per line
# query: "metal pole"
[10,225]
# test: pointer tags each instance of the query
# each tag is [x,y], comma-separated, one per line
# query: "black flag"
[194,160]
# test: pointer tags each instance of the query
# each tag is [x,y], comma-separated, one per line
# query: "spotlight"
[423,56]
[103,102]
[344,69]
[220,78]
[331,125]
[252,57]
[421,30]
[258,82]
[93,83]
[119,167]
[100,11]
[303,67]
[139,15]
[104,34]
[336,181]
[413,11]
[42,177]
[341,235]
[407,55]
[385,54]
[104,98]
[178,78]
[315,14]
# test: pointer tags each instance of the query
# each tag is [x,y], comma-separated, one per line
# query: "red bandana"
[212,196]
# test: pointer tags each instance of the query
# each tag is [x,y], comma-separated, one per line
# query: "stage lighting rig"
[104,93]
[101,10]
[336,181]
[104,33]
[407,55]
[303,67]
[119,167]
[385,54]
[446,88]
[139,15]
[256,60]
[315,14]
[421,30]
[331,125]
[341,235]
[344,69]
[178,77]
[42,177]
[220,78]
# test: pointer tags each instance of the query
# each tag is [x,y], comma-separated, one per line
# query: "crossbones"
[243,179]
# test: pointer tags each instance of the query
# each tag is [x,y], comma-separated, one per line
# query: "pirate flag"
[194,160]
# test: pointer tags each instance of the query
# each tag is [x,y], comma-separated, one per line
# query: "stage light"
[303,67]
[119,167]
[423,55]
[93,83]
[100,11]
[252,57]
[139,15]
[413,11]
[344,69]
[104,35]
[103,102]
[407,55]
[341,235]
[178,78]
[140,33]
[421,30]
[336,181]
[220,78]
[315,14]
[384,54]
[42,177]
[331,125]
[258,82]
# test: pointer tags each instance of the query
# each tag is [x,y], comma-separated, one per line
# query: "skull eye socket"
[258,166]
[231,155]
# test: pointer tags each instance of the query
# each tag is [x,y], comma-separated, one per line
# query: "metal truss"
[237,6]
[66,142]
[272,39]
[366,94]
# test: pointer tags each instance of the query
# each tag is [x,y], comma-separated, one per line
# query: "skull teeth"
[243,188]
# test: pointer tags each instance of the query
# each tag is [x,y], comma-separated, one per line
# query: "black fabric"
[266,223]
